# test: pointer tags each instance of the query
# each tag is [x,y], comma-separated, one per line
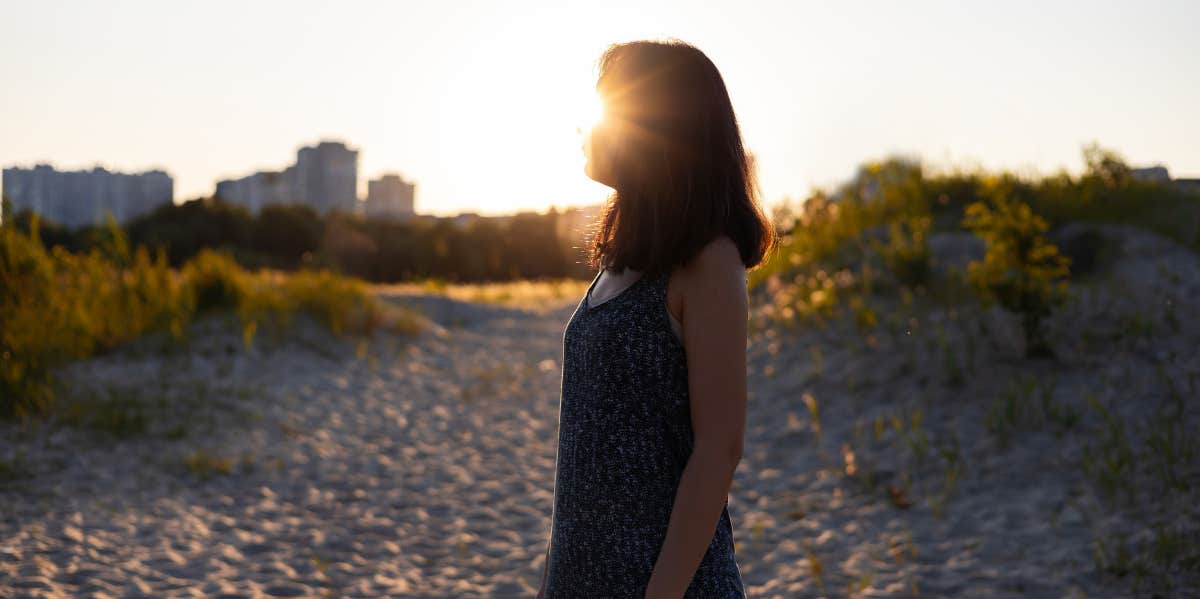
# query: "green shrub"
[215,281]
[1021,271]
[906,251]
[56,306]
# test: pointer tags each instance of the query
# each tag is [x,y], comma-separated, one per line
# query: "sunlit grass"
[525,293]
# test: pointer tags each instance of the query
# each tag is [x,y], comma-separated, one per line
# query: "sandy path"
[427,474]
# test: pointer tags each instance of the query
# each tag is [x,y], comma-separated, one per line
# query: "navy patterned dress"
[625,435]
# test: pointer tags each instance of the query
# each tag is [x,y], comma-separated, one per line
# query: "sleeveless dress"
[625,435]
[609,285]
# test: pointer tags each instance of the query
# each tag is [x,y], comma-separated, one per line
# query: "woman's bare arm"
[714,325]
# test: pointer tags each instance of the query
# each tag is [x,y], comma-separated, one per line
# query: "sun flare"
[590,112]
[490,114]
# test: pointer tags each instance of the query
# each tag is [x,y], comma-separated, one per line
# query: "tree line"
[290,237]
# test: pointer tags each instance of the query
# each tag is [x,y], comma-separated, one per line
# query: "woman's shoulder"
[721,252]
[720,255]
[717,264]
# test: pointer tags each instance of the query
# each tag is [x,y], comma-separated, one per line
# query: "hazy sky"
[478,101]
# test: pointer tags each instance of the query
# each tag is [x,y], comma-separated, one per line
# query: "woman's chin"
[590,172]
[594,176]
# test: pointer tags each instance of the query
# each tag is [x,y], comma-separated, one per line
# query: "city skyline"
[96,190]
[93,191]
[479,102]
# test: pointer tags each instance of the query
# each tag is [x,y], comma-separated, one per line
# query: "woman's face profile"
[597,150]
[599,145]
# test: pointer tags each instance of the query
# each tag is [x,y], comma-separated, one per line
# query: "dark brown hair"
[682,175]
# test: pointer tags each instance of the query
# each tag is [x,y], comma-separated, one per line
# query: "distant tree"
[347,247]
[1106,166]
[285,233]
[535,249]
[49,233]
[184,229]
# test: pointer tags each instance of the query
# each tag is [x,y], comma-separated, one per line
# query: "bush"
[56,306]
[1021,271]
[215,282]
[339,303]
[906,252]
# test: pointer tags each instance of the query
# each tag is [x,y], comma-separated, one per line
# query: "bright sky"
[478,101]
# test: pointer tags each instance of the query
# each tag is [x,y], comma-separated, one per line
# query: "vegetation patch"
[57,306]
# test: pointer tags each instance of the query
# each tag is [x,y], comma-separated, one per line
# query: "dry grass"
[525,293]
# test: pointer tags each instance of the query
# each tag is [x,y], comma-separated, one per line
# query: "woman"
[653,403]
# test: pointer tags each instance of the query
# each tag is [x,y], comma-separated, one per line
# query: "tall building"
[79,198]
[257,190]
[390,197]
[329,176]
[325,177]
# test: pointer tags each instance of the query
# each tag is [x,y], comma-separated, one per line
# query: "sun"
[495,122]
[590,112]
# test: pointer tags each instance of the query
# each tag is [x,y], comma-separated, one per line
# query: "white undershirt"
[611,285]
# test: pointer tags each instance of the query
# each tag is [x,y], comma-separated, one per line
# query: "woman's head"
[670,147]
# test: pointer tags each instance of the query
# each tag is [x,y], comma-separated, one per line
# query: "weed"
[899,494]
[816,567]
[1016,409]
[861,583]
[120,413]
[15,468]
[951,453]
[917,439]
[902,548]
[855,471]
[814,413]
[322,565]
[1062,416]
[818,362]
[756,533]
[865,317]
[205,464]
[1155,560]
[955,377]
[1111,463]
[1173,451]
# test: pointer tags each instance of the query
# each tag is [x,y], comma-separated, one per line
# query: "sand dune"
[925,459]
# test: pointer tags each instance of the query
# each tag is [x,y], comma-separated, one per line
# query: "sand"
[423,467]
